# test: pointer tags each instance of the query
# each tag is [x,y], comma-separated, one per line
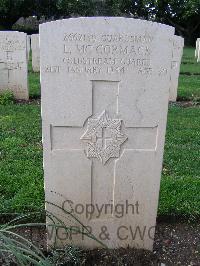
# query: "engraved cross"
[9,65]
[104,138]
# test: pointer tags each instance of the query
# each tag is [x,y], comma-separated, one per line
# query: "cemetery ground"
[178,230]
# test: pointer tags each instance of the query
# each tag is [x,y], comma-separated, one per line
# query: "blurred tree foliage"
[184,15]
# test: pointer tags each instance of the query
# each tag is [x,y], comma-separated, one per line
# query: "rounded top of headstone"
[35,36]
[13,32]
[118,22]
[178,40]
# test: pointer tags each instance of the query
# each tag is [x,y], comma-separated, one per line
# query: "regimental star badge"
[103,137]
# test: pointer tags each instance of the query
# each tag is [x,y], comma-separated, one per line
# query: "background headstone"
[197,50]
[28,45]
[13,63]
[177,52]
[35,52]
[105,90]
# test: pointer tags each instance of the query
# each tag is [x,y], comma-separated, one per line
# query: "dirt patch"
[184,104]
[175,244]
[120,257]
[189,74]
[178,244]
[36,101]
[187,63]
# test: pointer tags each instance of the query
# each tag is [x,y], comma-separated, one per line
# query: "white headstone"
[13,63]
[105,89]
[28,45]
[197,50]
[177,52]
[35,52]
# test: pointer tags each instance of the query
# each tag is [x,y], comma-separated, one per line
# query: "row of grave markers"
[33,45]
[14,54]
[13,62]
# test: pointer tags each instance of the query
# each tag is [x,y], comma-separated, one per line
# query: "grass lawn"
[34,81]
[180,184]
[189,63]
[34,85]
[189,88]
[21,175]
[189,79]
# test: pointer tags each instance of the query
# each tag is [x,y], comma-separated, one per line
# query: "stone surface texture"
[177,52]
[28,45]
[35,52]
[13,63]
[105,90]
